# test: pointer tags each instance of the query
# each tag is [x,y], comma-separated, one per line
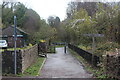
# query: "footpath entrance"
[61,65]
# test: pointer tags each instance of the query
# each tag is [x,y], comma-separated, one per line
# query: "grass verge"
[33,70]
[12,49]
[51,49]
[85,47]
[97,73]
[58,46]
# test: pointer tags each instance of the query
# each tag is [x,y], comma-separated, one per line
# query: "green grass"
[84,47]
[33,70]
[51,49]
[58,46]
[12,49]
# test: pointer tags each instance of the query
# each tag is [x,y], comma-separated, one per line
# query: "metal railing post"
[15,62]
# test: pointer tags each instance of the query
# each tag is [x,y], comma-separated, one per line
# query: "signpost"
[93,43]
[15,64]
[93,39]
[90,35]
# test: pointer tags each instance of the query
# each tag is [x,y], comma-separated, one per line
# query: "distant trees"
[7,16]
[92,17]
[107,22]
[54,21]
[19,11]
[90,7]
[10,9]
[71,9]
[28,20]
[82,18]
[45,32]
[31,21]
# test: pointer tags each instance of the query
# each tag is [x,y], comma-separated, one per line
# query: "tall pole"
[93,49]
[15,64]
[93,44]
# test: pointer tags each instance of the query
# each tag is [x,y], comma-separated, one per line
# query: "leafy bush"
[108,46]
[84,47]
[51,49]
[30,45]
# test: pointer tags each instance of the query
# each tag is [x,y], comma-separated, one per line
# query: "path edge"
[41,67]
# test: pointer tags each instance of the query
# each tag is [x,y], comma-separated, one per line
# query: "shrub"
[30,44]
[108,46]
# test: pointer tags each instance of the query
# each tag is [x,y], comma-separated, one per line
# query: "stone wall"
[25,58]
[29,56]
[112,64]
[8,62]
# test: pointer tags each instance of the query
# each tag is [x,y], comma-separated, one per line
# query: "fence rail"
[91,59]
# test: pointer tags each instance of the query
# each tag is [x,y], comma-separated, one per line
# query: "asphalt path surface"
[61,65]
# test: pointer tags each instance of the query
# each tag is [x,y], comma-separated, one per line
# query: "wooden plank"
[94,35]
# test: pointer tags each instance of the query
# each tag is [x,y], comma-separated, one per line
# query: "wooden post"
[93,49]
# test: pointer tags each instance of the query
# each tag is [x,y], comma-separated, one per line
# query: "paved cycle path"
[61,65]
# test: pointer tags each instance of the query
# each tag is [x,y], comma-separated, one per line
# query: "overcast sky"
[46,8]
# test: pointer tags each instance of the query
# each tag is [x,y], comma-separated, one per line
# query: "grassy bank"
[51,49]
[33,70]
[85,47]
[12,49]
[58,46]
[97,72]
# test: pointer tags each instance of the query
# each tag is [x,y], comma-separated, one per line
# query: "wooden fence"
[91,59]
